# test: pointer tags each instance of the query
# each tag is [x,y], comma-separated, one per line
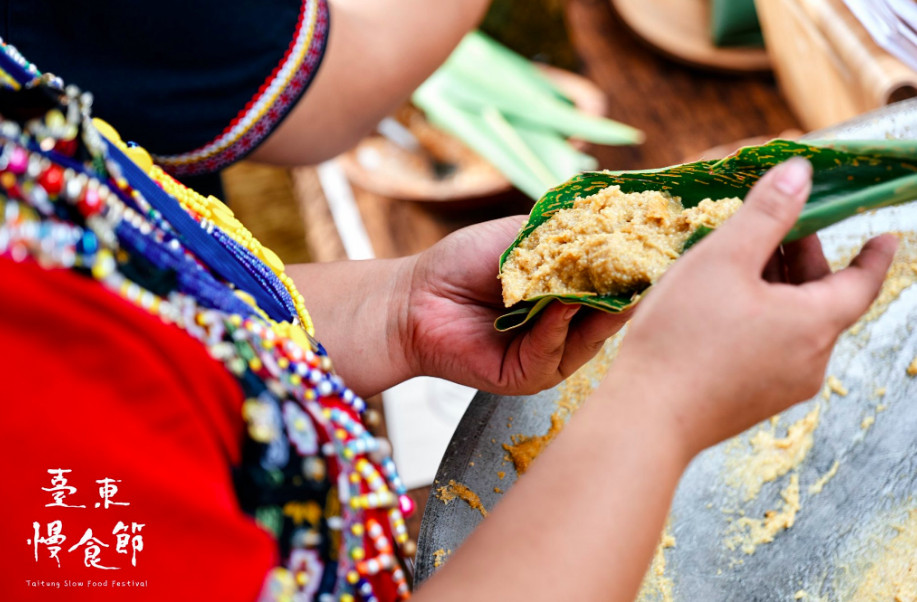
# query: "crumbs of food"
[656,584]
[749,533]
[901,275]
[771,456]
[609,243]
[867,422]
[439,557]
[453,490]
[818,485]
[526,448]
[834,385]
[497,490]
[891,572]
[912,368]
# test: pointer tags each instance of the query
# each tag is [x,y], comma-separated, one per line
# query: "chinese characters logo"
[49,540]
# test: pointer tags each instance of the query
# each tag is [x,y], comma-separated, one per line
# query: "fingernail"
[793,176]
[570,312]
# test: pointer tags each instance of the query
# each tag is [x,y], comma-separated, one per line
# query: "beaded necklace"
[311,474]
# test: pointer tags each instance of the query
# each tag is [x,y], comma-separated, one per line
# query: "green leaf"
[477,134]
[849,177]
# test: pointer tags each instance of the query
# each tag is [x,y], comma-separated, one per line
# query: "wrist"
[658,402]
[399,320]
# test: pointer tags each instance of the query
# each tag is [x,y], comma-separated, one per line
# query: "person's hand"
[733,333]
[448,326]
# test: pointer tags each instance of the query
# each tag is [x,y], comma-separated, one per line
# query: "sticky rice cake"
[610,243]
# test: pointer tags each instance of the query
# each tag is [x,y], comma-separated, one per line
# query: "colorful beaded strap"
[311,474]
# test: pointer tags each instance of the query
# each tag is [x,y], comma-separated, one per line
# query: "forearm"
[357,308]
[378,53]
[582,524]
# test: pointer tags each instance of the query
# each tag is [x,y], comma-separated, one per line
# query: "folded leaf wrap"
[849,177]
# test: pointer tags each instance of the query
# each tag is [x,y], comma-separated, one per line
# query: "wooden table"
[682,111]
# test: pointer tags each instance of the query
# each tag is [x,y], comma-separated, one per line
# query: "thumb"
[769,211]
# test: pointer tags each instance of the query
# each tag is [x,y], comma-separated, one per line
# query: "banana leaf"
[849,177]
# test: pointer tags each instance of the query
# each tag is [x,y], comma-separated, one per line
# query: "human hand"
[734,333]
[455,297]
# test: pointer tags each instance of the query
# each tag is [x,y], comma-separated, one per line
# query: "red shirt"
[100,388]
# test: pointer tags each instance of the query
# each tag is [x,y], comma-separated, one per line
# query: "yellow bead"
[55,119]
[357,529]
[139,156]
[299,337]
[271,259]
[357,554]
[225,222]
[353,577]
[217,206]
[245,297]
[108,131]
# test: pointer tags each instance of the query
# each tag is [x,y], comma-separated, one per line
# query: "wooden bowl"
[681,30]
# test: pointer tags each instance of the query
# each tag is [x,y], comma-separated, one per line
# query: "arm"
[432,314]
[378,53]
[583,523]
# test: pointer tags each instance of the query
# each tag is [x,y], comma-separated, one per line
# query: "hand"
[455,297]
[716,347]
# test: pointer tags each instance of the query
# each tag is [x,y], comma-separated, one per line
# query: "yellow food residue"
[912,368]
[771,456]
[834,385]
[818,485]
[902,274]
[573,392]
[526,448]
[891,573]
[439,557]
[656,584]
[752,532]
[867,422]
[453,490]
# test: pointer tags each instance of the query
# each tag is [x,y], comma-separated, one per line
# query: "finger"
[805,260]
[775,270]
[542,347]
[588,336]
[847,294]
[770,209]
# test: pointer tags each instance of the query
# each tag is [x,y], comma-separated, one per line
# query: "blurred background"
[682,79]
